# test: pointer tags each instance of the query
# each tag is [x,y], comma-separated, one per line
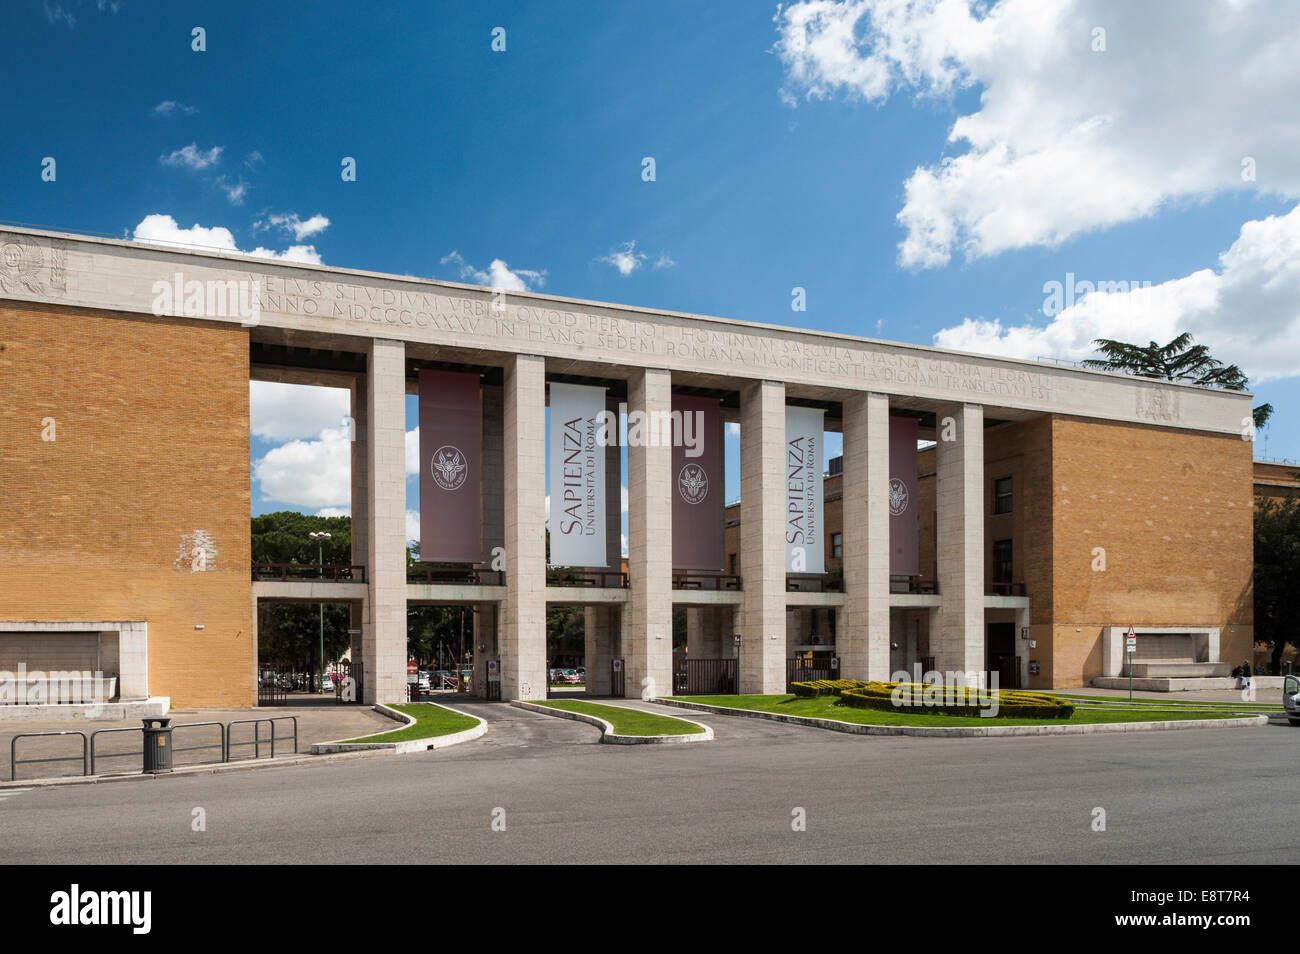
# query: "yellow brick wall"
[1173,512]
[151,427]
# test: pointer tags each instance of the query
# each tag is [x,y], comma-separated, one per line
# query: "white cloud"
[292,222]
[192,157]
[315,473]
[235,191]
[412,526]
[1064,139]
[1247,310]
[282,412]
[625,258]
[334,512]
[169,107]
[498,275]
[160,229]
[305,254]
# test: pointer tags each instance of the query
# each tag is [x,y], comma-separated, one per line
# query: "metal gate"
[617,681]
[810,670]
[272,686]
[705,677]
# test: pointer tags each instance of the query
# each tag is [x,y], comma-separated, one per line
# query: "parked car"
[425,681]
[1291,698]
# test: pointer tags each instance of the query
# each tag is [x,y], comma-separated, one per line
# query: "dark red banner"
[697,483]
[904,522]
[451,451]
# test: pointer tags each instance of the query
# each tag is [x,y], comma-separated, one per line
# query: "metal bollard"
[157,746]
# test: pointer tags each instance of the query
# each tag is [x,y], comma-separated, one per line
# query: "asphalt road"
[1214,796]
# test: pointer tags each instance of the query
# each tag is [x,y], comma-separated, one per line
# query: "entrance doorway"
[1001,651]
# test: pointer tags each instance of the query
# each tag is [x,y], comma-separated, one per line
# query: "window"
[1001,561]
[731,563]
[837,545]
[1002,495]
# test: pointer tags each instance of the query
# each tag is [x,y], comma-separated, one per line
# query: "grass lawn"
[826,707]
[430,722]
[627,721]
[1143,702]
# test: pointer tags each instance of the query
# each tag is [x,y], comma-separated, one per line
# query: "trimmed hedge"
[824,687]
[956,701]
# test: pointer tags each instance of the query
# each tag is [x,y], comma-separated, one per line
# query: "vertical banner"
[577,476]
[451,450]
[805,549]
[904,520]
[697,477]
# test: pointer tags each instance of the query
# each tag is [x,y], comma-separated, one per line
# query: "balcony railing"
[471,575]
[1004,589]
[813,583]
[611,579]
[691,580]
[329,572]
[913,584]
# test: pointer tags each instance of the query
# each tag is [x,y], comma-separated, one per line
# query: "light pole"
[320,539]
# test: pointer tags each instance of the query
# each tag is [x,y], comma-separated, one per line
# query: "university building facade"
[1055,508]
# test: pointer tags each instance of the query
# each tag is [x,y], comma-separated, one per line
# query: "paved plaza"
[1192,796]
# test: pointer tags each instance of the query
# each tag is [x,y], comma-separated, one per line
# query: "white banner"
[805,550]
[577,481]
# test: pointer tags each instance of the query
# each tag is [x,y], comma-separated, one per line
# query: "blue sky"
[786,147]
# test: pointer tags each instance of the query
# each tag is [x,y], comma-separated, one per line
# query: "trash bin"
[157,746]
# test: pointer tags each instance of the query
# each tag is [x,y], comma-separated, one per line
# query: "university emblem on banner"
[449,468]
[693,484]
[897,497]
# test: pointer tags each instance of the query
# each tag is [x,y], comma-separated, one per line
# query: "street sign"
[1130,644]
[493,670]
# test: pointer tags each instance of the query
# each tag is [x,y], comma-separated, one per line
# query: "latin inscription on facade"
[742,352]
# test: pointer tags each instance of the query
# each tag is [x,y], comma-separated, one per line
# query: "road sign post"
[1130,644]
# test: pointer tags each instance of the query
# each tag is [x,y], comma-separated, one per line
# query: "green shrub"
[824,687]
[956,701]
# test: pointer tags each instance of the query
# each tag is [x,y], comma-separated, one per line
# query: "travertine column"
[601,622]
[762,537]
[602,638]
[960,523]
[863,639]
[384,635]
[492,512]
[360,459]
[648,647]
[522,632]
[696,638]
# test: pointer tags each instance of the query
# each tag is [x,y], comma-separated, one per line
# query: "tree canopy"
[1181,359]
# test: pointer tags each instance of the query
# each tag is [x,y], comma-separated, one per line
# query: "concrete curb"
[75,714]
[974,732]
[411,745]
[207,768]
[612,737]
